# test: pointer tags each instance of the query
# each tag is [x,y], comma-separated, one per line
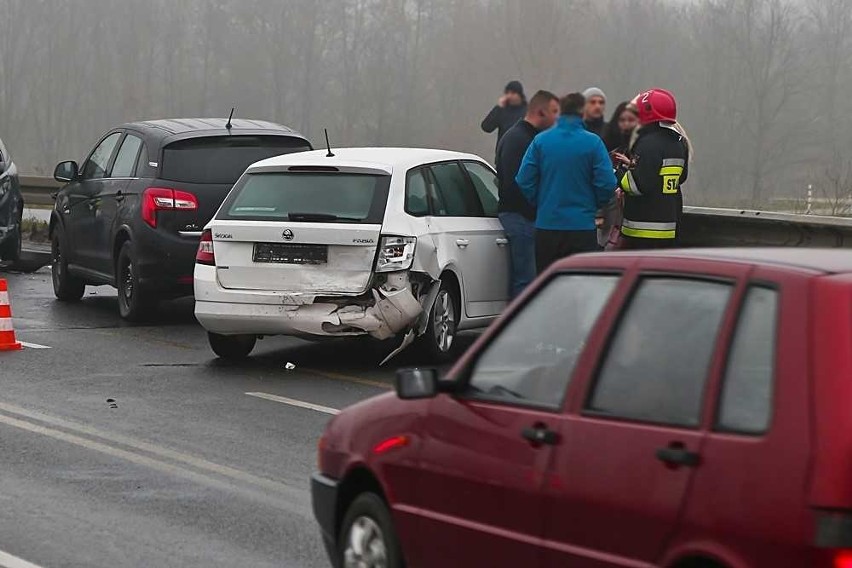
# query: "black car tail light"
[156,199]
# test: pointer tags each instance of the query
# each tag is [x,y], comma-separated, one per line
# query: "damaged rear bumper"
[393,309]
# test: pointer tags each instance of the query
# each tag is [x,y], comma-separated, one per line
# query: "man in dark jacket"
[511,108]
[516,213]
[567,174]
[594,111]
[658,165]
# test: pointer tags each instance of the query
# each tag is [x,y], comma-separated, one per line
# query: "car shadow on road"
[99,308]
[359,357]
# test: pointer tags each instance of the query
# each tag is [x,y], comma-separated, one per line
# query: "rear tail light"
[843,559]
[164,199]
[396,253]
[205,249]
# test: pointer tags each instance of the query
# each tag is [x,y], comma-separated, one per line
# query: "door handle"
[501,242]
[539,435]
[119,196]
[462,243]
[676,455]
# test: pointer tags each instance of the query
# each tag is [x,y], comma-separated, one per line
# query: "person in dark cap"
[511,108]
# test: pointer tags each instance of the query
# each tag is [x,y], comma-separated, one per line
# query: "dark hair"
[612,136]
[541,100]
[573,104]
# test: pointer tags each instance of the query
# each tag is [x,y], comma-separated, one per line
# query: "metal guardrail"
[710,227]
[38,190]
[701,226]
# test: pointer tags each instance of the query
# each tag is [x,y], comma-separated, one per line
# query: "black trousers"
[632,243]
[551,246]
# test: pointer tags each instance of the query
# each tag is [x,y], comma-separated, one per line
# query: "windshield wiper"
[319,217]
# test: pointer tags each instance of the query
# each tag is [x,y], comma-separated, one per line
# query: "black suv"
[11,208]
[132,215]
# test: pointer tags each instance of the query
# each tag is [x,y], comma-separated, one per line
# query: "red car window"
[659,359]
[533,358]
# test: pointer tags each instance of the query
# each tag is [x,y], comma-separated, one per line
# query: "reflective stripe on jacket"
[652,187]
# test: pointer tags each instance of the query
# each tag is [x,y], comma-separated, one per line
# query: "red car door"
[749,497]
[632,442]
[485,450]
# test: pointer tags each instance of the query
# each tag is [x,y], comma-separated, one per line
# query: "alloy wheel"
[444,321]
[127,278]
[365,547]
[56,266]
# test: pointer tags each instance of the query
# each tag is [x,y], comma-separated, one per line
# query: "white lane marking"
[9,561]
[289,503]
[294,402]
[34,345]
[159,451]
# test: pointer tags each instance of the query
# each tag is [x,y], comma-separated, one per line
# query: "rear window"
[222,159]
[309,196]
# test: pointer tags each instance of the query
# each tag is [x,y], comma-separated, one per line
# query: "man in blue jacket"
[567,174]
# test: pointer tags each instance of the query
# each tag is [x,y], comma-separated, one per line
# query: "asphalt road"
[131,445]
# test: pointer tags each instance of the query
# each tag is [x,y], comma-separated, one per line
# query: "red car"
[681,409]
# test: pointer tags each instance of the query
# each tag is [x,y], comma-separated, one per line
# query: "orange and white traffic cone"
[7,330]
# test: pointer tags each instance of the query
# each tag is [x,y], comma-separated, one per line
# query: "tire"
[66,286]
[11,250]
[134,302]
[232,347]
[368,522]
[439,343]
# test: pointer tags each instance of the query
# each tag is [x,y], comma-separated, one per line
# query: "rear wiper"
[319,217]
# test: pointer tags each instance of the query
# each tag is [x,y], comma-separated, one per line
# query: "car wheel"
[11,250]
[368,539]
[439,340]
[66,287]
[134,302]
[232,347]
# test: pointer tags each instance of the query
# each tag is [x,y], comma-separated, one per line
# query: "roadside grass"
[34,230]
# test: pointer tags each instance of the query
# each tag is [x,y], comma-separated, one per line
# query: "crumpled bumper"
[394,309]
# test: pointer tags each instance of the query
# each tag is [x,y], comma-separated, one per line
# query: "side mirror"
[2,166]
[66,172]
[415,384]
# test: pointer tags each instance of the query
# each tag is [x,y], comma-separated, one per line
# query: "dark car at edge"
[132,215]
[11,208]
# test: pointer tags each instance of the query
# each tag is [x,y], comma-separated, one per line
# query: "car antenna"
[328,145]
[229,126]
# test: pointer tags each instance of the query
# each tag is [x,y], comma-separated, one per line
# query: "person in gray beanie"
[593,113]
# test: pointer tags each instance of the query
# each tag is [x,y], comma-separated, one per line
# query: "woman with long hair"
[616,136]
[620,128]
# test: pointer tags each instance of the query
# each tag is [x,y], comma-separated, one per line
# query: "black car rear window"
[333,197]
[222,159]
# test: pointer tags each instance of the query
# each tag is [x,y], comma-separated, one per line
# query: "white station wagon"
[377,242]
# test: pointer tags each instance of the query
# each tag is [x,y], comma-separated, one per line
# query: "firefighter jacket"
[652,184]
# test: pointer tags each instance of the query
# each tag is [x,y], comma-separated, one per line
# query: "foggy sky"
[761,83]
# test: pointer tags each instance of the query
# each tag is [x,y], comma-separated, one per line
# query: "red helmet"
[656,105]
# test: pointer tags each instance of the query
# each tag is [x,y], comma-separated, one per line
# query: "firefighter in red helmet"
[652,174]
